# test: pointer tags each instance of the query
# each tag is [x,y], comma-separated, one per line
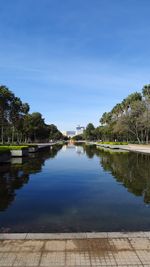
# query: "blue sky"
[72,60]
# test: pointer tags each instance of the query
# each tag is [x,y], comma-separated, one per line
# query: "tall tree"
[89,133]
[6,97]
[129,119]
[54,133]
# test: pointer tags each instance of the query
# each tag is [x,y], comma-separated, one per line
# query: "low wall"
[19,152]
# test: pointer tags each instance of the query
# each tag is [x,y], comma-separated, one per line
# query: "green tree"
[127,120]
[17,112]
[89,132]
[54,133]
[6,97]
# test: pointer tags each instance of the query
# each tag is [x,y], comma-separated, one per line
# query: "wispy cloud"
[73,60]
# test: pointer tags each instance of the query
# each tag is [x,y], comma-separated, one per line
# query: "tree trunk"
[2,134]
[147,137]
[142,139]
[139,141]
[13,134]
[34,136]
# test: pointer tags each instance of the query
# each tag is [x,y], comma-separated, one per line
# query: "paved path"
[101,249]
[138,148]
[133,148]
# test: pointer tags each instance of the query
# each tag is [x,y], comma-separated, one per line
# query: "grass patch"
[113,143]
[13,147]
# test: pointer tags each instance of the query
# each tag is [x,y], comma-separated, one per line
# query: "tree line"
[20,126]
[127,121]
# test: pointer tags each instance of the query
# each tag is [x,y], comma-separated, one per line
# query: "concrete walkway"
[85,249]
[138,148]
[133,148]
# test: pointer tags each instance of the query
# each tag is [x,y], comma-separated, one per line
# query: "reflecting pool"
[75,188]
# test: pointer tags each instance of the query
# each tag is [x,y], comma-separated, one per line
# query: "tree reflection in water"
[13,177]
[130,169]
[90,150]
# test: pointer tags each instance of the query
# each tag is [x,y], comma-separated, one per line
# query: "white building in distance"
[79,130]
[69,133]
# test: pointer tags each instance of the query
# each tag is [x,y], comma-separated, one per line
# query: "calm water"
[75,189]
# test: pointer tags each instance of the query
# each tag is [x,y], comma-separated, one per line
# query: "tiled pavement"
[87,249]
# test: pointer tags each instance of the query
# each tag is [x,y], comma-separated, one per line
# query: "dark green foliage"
[78,137]
[130,169]
[19,175]
[18,126]
[54,133]
[89,133]
[128,120]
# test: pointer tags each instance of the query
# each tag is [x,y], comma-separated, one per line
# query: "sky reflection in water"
[75,189]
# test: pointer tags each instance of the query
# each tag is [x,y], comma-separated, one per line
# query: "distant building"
[79,130]
[70,133]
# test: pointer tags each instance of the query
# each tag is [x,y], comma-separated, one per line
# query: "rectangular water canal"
[75,189]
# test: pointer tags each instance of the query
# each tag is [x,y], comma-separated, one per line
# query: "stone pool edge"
[62,236]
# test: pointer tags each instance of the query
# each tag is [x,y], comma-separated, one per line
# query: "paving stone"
[126,234]
[102,258]
[144,256]
[78,259]
[136,234]
[10,245]
[32,245]
[13,236]
[53,259]
[73,235]
[146,234]
[77,245]
[7,259]
[21,245]
[97,235]
[118,235]
[57,236]
[27,259]
[140,243]
[104,244]
[71,245]
[55,245]
[43,236]
[121,244]
[62,250]
[126,257]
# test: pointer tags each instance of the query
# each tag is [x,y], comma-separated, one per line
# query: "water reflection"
[82,189]
[90,150]
[15,175]
[130,169]
[78,147]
